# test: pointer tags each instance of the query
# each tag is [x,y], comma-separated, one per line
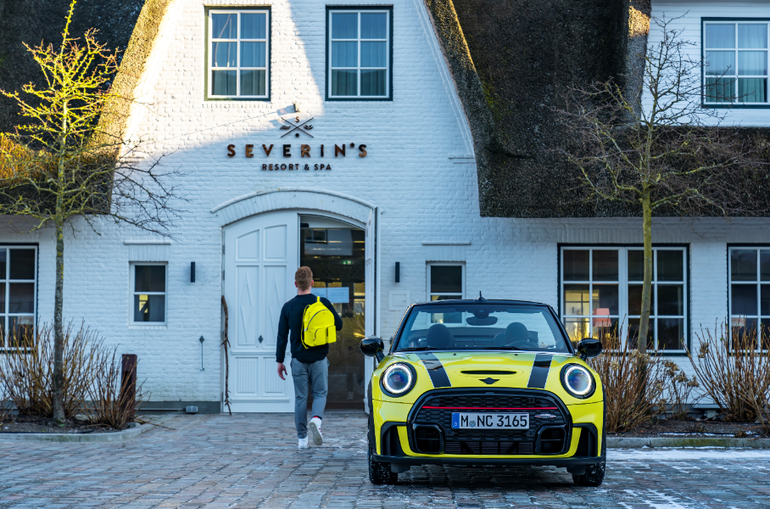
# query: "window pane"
[253,82]
[373,82]
[744,300]
[577,329]
[765,328]
[719,90]
[670,299]
[743,265]
[149,308]
[606,331]
[635,265]
[150,278]
[720,36]
[223,82]
[575,265]
[744,333]
[374,25]
[224,54]
[2,301]
[22,264]
[670,333]
[21,331]
[254,26]
[635,299]
[765,300]
[223,26]
[344,25]
[3,254]
[752,90]
[605,300]
[752,36]
[344,54]
[605,265]
[751,63]
[633,333]
[22,298]
[374,54]
[344,83]
[720,62]
[576,300]
[253,54]
[446,279]
[764,265]
[670,266]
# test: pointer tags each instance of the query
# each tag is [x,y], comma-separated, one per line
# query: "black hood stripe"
[435,369]
[540,369]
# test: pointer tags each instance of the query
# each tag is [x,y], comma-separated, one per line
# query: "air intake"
[488,372]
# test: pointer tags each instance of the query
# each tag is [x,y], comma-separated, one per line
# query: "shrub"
[634,385]
[679,391]
[26,374]
[734,373]
[109,403]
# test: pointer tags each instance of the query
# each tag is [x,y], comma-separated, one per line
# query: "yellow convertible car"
[484,382]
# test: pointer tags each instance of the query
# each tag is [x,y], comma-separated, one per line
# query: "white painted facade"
[415,192]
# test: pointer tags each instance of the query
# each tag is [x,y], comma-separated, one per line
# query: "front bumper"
[480,462]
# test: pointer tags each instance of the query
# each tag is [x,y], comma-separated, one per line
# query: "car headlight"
[398,379]
[578,381]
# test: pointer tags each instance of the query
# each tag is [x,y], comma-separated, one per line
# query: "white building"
[380,197]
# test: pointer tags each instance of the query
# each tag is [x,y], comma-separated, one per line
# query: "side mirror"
[589,348]
[373,347]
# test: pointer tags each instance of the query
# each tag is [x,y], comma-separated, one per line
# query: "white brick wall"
[424,198]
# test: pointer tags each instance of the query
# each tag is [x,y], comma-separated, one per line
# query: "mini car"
[484,382]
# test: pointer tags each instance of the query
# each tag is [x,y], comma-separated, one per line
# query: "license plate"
[472,420]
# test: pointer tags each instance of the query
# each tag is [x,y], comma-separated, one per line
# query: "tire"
[594,475]
[379,472]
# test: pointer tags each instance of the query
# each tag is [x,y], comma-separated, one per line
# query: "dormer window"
[735,65]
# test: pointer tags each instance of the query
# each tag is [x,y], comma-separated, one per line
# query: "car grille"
[431,423]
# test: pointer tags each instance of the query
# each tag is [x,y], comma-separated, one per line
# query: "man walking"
[309,366]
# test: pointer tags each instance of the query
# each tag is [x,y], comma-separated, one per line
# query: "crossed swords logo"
[299,127]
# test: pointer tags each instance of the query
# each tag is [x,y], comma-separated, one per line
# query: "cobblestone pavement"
[252,461]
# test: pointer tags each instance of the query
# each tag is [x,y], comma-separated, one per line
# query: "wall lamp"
[398,272]
[192,272]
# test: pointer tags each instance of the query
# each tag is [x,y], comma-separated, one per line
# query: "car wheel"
[594,475]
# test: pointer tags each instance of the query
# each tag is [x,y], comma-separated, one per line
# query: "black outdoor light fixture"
[398,272]
[192,272]
[201,340]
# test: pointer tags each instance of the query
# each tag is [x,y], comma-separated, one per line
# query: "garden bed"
[33,424]
[700,428]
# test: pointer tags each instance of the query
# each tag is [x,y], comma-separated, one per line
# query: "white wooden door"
[261,256]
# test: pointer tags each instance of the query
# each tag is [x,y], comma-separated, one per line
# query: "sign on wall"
[288,151]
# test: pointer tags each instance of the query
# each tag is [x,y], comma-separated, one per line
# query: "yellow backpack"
[318,325]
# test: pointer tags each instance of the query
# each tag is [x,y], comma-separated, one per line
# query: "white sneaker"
[302,443]
[315,429]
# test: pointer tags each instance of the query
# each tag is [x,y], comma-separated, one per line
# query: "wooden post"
[128,386]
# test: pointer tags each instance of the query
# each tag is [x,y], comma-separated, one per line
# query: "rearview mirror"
[589,348]
[373,347]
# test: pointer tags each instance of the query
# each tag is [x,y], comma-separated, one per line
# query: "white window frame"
[757,282]
[133,293]
[6,279]
[734,76]
[210,40]
[430,294]
[623,281]
[358,68]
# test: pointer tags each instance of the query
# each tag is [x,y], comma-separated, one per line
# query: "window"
[445,281]
[149,293]
[18,279]
[602,287]
[735,62]
[359,59]
[239,53]
[749,271]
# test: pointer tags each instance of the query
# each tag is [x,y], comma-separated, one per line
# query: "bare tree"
[67,163]
[662,155]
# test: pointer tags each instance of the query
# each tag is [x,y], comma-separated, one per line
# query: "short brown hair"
[303,277]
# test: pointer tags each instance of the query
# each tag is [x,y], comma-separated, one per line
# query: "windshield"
[481,326]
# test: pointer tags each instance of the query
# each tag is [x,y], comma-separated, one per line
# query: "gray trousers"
[315,375]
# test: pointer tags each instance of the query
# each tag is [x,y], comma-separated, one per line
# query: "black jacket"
[291,320]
